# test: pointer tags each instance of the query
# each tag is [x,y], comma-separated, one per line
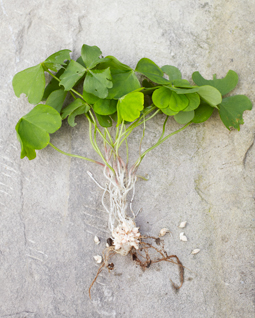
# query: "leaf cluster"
[107,91]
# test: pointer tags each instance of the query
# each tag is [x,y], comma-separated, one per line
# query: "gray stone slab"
[50,209]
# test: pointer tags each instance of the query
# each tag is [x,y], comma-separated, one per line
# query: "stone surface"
[51,210]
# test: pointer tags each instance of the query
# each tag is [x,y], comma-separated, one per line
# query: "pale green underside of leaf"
[148,68]
[210,95]
[130,106]
[114,64]
[77,103]
[223,85]
[231,110]
[56,61]
[31,82]
[184,117]
[33,129]
[78,111]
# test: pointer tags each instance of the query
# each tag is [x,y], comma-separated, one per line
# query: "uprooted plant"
[109,93]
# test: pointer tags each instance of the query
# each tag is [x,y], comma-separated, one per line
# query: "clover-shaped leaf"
[231,110]
[90,55]
[130,106]
[97,82]
[223,85]
[151,70]
[161,97]
[71,75]
[56,61]
[173,72]
[31,82]
[165,98]
[34,128]
[124,82]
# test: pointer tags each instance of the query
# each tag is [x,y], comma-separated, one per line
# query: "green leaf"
[148,84]
[194,101]
[223,85]
[202,113]
[78,111]
[105,106]
[184,117]
[115,117]
[31,82]
[33,129]
[56,61]
[90,55]
[56,99]
[71,75]
[114,64]
[168,111]
[182,83]
[104,121]
[53,85]
[231,110]
[186,90]
[89,98]
[130,106]
[148,68]
[97,82]
[178,102]
[210,94]
[173,72]
[124,82]
[77,103]
[161,97]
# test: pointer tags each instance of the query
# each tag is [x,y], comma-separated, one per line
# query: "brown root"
[143,253]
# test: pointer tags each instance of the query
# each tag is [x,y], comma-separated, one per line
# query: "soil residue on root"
[143,258]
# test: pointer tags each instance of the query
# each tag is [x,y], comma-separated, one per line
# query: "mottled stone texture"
[50,209]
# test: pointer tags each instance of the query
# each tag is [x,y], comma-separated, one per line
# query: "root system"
[145,256]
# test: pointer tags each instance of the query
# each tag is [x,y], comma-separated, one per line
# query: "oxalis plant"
[110,94]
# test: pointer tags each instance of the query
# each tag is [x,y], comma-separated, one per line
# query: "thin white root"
[91,176]
[124,232]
